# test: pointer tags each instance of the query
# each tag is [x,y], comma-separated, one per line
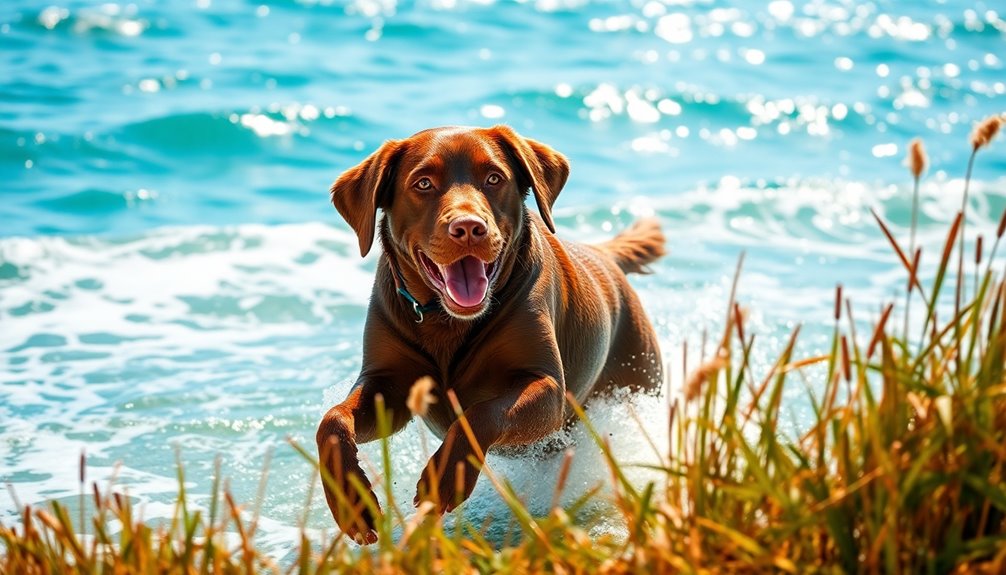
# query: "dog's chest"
[441,344]
[463,360]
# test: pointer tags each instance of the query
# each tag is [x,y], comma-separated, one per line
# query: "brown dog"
[476,292]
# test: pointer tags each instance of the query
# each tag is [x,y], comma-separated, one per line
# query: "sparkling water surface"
[173,279]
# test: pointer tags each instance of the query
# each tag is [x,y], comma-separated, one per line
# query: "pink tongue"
[466,281]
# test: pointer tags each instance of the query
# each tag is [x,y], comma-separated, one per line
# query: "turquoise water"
[172,276]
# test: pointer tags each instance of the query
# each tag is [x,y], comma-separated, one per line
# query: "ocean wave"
[194,134]
[243,273]
[197,289]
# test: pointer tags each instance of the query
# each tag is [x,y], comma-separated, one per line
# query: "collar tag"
[418,309]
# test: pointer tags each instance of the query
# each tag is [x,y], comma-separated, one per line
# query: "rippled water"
[171,275]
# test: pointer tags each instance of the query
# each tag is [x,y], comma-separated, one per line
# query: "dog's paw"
[349,494]
[364,534]
[355,514]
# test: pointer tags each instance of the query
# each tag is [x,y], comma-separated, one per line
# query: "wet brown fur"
[560,316]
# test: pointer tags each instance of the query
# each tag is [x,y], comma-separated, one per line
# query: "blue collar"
[417,307]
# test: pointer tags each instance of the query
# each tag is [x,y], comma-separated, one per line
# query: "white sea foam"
[97,286]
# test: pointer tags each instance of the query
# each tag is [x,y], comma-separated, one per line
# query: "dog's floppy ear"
[542,168]
[360,190]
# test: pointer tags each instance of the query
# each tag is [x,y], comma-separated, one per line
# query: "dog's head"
[454,198]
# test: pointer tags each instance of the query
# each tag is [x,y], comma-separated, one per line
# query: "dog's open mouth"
[465,282]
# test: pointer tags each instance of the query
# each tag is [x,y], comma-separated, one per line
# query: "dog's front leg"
[531,408]
[352,422]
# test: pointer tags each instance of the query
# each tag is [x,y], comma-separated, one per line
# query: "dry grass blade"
[878,330]
[941,272]
[897,250]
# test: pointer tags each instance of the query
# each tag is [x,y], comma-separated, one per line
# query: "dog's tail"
[638,246]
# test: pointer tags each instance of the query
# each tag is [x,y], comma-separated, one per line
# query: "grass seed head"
[420,397]
[985,131]
[697,380]
[917,159]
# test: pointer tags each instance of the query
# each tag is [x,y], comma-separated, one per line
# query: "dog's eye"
[424,184]
[494,179]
